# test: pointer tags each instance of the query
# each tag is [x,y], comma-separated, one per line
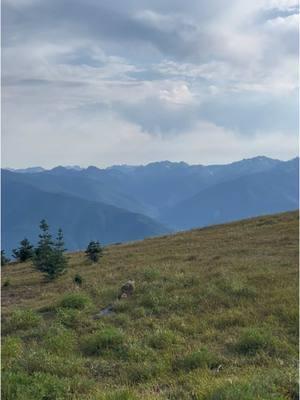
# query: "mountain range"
[123,203]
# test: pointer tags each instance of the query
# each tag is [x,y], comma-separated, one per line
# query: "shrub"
[237,289]
[236,391]
[120,395]
[6,283]
[198,359]
[94,251]
[254,340]
[78,280]
[77,301]
[60,340]
[23,320]
[40,360]
[24,252]
[151,274]
[274,385]
[138,312]
[73,318]
[162,339]
[155,303]
[11,350]
[142,372]
[229,318]
[109,339]
[20,386]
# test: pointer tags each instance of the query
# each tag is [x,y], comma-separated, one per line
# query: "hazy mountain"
[23,206]
[73,182]
[31,170]
[177,194]
[266,192]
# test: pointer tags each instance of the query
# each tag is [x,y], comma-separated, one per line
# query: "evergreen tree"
[60,244]
[94,251]
[49,256]
[59,261]
[4,259]
[44,249]
[24,252]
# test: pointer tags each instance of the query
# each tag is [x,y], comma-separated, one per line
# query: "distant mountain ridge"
[23,207]
[162,195]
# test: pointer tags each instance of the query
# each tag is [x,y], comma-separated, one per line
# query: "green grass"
[214,316]
[107,340]
[75,300]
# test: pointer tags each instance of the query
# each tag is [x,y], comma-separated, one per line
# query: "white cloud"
[105,138]
[282,4]
[289,23]
[74,84]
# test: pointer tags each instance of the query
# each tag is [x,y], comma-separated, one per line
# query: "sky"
[98,82]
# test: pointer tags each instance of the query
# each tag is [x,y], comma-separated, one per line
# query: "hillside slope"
[214,316]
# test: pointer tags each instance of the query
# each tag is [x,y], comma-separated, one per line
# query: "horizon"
[70,166]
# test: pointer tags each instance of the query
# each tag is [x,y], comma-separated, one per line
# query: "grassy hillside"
[213,317]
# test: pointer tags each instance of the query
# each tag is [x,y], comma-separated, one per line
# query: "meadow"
[214,316]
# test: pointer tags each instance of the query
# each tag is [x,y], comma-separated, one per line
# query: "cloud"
[147,73]
[99,138]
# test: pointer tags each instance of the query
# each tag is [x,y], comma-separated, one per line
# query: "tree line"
[49,256]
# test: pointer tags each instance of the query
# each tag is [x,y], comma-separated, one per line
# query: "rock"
[127,290]
[105,311]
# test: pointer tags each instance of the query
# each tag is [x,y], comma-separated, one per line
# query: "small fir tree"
[49,257]
[24,252]
[94,251]
[44,249]
[60,244]
[59,261]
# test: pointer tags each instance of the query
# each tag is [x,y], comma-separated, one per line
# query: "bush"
[60,340]
[198,359]
[277,385]
[162,339]
[78,301]
[94,251]
[120,395]
[20,386]
[23,320]
[151,274]
[154,303]
[78,280]
[109,339]
[73,318]
[229,318]
[40,360]
[11,350]
[237,289]
[24,252]
[254,340]
[237,391]
[142,372]
[6,283]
